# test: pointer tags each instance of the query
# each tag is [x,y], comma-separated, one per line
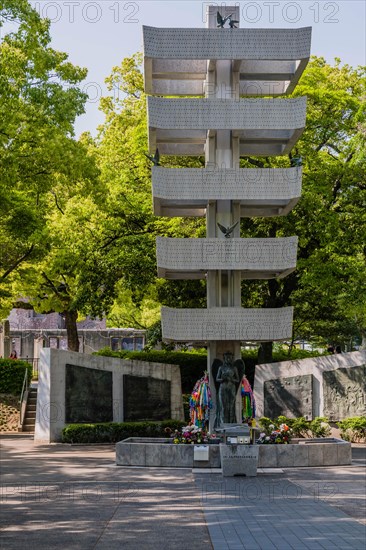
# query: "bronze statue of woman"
[227,380]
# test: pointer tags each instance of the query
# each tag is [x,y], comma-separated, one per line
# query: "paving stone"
[58,490]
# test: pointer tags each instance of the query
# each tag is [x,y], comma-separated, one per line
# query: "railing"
[34,362]
[23,400]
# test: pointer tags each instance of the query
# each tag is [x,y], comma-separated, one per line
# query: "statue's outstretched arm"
[219,377]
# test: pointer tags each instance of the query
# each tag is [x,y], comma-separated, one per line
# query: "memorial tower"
[234,77]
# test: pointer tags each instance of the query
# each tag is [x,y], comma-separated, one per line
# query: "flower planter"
[139,451]
[149,452]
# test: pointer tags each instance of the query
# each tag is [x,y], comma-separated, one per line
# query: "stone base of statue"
[239,460]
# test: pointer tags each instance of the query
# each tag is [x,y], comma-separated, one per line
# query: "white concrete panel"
[256,258]
[234,44]
[227,114]
[260,191]
[226,324]
[177,60]
[264,127]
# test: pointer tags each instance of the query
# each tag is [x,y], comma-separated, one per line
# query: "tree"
[50,183]
[39,100]
[329,218]
[329,284]
[126,172]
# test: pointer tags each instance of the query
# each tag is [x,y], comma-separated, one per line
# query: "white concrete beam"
[253,258]
[259,191]
[226,324]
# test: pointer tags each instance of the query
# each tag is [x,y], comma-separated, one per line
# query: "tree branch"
[255,162]
[17,263]
[57,205]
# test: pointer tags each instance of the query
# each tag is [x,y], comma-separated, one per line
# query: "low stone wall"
[333,452]
[136,451]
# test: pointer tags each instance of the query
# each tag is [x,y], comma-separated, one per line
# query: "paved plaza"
[62,496]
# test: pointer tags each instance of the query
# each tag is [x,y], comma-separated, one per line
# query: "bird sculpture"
[227,231]
[232,23]
[222,20]
[154,158]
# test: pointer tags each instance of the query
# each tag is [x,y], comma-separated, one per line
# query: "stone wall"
[332,386]
[28,342]
[78,388]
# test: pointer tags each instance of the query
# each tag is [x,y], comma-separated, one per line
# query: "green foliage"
[274,433]
[353,429]
[280,353]
[12,375]
[192,365]
[330,218]
[126,313]
[112,432]
[131,227]
[319,427]
[39,159]
[300,427]
[266,424]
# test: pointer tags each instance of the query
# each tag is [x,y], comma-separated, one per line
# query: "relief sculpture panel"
[344,392]
[291,397]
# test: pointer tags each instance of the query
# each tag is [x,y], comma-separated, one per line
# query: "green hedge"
[353,429]
[192,364]
[111,432]
[12,375]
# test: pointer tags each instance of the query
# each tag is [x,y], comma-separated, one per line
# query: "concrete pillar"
[5,341]
[223,287]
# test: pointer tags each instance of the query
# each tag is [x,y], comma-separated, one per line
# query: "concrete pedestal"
[239,460]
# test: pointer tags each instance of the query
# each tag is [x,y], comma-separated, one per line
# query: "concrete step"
[29,421]
[30,413]
[29,429]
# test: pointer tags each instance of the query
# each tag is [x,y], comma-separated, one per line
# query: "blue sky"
[98,35]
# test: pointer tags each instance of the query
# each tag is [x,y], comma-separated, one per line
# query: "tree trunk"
[363,342]
[265,353]
[72,331]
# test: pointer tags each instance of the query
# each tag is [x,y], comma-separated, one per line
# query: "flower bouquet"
[192,435]
[281,435]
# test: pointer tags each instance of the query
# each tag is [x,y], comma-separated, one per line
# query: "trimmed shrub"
[12,375]
[319,427]
[353,429]
[192,364]
[112,432]
[299,426]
